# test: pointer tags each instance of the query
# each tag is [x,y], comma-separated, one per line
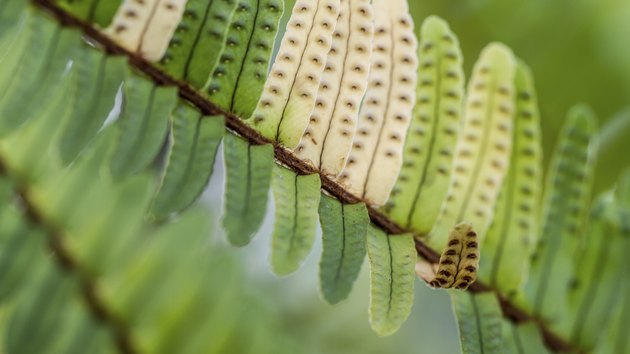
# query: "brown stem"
[287,158]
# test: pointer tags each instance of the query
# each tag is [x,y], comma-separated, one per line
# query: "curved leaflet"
[344,231]
[416,198]
[290,91]
[195,139]
[143,124]
[376,156]
[296,198]
[194,50]
[239,77]
[515,225]
[248,177]
[392,260]
[479,319]
[327,139]
[565,210]
[483,148]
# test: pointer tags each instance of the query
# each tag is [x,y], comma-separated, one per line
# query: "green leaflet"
[238,79]
[143,124]
[516,225]
[194,142]
[522,339]
[614,337]
[392,275]
[195,47]
[27,74]
[598,268]
[296,199]
[248,176]
[100,12]
[344,230]
[429,147]
[54,302]
[479,318]
[11,12]
[565,209]
[98,80]
[483,148]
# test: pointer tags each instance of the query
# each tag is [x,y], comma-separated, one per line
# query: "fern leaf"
[565,209]
[296,200]
[130,22]
[289,94]
[11,13]
[158,32]
[97,11]
[238,79]
[459,261]
[26,76]
[429,147]
[344,229]
[194,50]
[483,148]
[479,318]
[195,139]
[143,124]
[516,224]
[522,338]
[392,261]
[327,140]
[248,177]
[376,155]
[98,80]
[598,268]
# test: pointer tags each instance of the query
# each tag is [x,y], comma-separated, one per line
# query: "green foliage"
[515,225]
[238,79]
[97,11]
[417,196]
[392,259]
[91,247]
[344,230]
[195,139]
[81,271]
[248,177]
[483,148]
[479,317]
[296,198]
[143,124]
[98,79]
[522,338]
[194,50]
[565,209]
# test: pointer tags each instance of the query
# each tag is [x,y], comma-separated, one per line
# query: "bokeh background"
[578,51]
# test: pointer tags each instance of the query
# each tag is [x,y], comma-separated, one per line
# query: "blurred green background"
[578,51]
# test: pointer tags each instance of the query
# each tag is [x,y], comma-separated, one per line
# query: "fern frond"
[143,124]
[327,140]
[195,139]
[376,156]
[565,209]
[516,221]
[194,50]
[344,229]
[429,147]
[483,149]
[296,200]
[248,177]
[392,277]
[479,320]
[290,91]
[238,79]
